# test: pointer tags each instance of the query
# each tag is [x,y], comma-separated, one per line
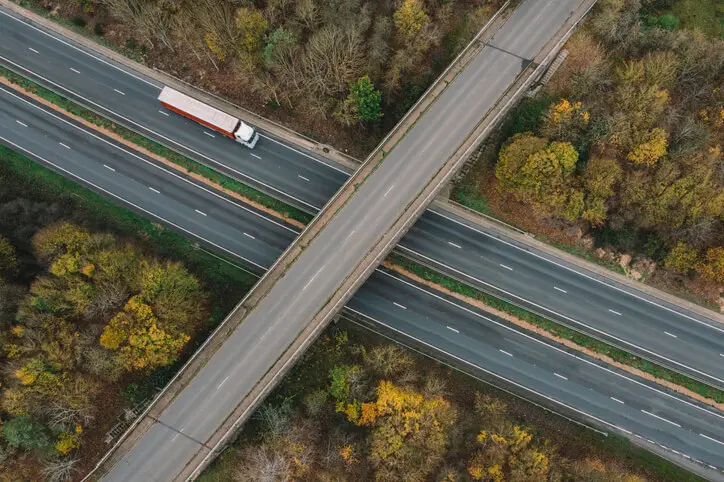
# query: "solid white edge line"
[160,168]
[541,342]
[453,329]
[19,20]
[572,270]
[572,320]
[661,418]
[305,154]
[180,228]
[161,136]
[399,305]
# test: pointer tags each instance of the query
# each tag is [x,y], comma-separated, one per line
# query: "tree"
[8,258]
[651,149]
[25,434]
[409,432]
[252,26]
[410,19]
[682,258]
[599,179]
[362,103]
[565,121]
[508,457]
[138,340]
[712,266]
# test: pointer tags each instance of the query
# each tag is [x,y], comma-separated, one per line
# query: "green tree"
[25,434]
[410,18]
[362,104]
[682,258]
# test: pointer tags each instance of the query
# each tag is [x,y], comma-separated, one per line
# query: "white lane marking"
[676,452]
[165,138]
[567,268]
[22,123]
[453,329]
[302,177]
[559,289]
[505,352]
[222,382]
[454,245]
[109,167]
[75,70]
[164,113]
[399,305]
[650,441]
[149,213]
[671,334]
[255,155]
[507,267]
[154,190]
[572,320]
[559,376]
[315,275]
[661,418]
[201,213]
[78,49]
[712,439]
[33,50]
[617,400]
[388,190]
[541,342]
[209,134]
[122,93]
[249,236]
[615,312]
[64,145]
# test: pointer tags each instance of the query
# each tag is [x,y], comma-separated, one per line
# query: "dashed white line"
[21,123]
[201,213]
[315,275]
[617,400]
[615,312]
[109,167]
[685,456]
[453,329]
[388,190]
[676,452]
[164,113]
[559,289]
[650,441]
[671,334]
[399,305]
[33,50]
[249,236]
[222,382]
[505,352]
[454,245]
[209,134]
[254,155]
[559,376]
[75,70]
[64,145]
[661,418]
[154,190]
[712,439]
[507,267]
[122,93]
[302,177]
[711,466]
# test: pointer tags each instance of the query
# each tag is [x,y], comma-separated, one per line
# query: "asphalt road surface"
[631,319]
[269,329]
[591,391]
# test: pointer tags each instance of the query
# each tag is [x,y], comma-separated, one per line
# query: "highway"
[543,372]
[631,319]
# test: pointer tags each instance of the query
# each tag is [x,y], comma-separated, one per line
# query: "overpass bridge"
[242,362]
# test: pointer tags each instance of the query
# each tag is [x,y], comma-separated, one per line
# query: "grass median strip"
[199,171]
[562,334]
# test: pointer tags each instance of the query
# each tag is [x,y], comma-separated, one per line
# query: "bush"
[25,434]
[78,21]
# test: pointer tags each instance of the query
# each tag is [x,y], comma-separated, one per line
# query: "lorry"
[208,116]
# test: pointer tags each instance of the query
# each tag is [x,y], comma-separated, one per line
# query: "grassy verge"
[189,165]
[559,330]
